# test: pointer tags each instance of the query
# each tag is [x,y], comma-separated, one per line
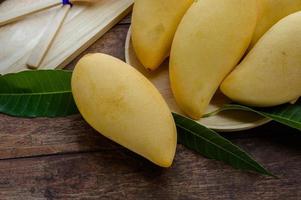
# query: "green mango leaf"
[40,93]
[210,144]
[288,114]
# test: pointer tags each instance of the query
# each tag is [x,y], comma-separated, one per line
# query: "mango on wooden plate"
[270,74]
[154,23]
[210,41]
[270,12]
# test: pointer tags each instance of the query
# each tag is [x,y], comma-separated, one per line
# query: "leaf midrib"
[265,114]
[281,117]
[222,148]
[35,93]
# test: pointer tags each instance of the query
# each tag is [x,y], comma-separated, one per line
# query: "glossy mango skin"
[154,23]
[270,74]
[211,39]
[270,12]
[120,103]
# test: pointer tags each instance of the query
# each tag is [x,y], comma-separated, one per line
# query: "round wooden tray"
[227,121]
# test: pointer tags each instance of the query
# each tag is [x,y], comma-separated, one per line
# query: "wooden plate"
[227,121]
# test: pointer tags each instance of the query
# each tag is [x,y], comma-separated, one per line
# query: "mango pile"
[249,49]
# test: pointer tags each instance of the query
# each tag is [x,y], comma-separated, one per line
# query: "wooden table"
[65,158]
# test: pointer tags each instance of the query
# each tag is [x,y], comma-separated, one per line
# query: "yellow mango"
[120,103]
[211,39]
[154,23]
[271,73]
[271,11]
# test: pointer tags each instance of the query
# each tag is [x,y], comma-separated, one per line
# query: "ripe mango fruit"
[154,23]
[119,102]
[271,11]
[211,39]
[271,73]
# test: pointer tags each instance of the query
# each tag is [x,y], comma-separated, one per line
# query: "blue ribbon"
[66,2]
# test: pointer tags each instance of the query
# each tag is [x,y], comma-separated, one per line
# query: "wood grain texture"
[39,51]
[119,174]
[82,27]
[64,158]
[22,13]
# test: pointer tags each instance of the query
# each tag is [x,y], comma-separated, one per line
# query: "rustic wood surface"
[65,158]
